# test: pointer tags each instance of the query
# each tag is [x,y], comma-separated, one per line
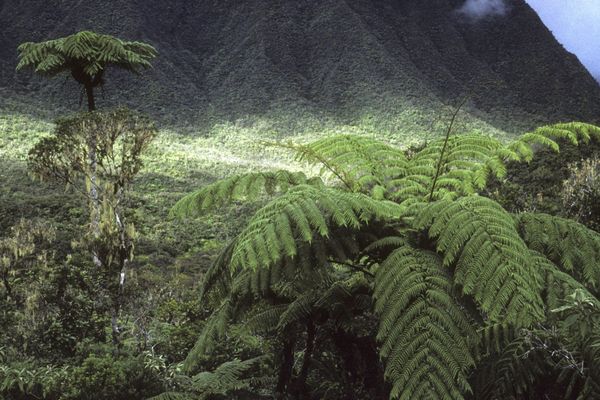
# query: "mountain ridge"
[330,60]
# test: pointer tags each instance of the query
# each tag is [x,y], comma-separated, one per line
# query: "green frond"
[425,336]
[228,377]
[491,262]
[574,132]
[298,310]
[308,267]
[386,242]
[511,373]
[495,337]
[558,285]
[266,320]
[470,160]
[568,244]
[302,215]
[214,328]
[217,279]
[362,164]
[87,50]
[246,187]
[467,164]
[342,292]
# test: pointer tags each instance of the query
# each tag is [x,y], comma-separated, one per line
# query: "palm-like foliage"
[444,266]
[86,55]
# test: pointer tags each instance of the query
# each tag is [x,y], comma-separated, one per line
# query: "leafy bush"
[109,377]
[581,192]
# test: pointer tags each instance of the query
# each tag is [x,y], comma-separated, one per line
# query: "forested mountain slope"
[381,61]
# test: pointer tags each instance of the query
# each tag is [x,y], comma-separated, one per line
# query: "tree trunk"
[311,331]
[123,260]
[286,366]
[89,91]
[92,159]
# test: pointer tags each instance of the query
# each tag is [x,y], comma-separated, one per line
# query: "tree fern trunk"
[311,331]
[286,366]
[89,91]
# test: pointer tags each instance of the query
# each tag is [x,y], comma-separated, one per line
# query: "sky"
[576,24]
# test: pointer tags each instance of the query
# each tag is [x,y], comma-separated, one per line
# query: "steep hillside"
[387,65]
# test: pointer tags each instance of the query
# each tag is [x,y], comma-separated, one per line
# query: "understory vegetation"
[438,271]
[138,263]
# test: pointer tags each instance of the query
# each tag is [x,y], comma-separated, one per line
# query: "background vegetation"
[57,340]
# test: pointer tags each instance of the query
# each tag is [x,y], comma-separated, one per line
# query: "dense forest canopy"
[266,225]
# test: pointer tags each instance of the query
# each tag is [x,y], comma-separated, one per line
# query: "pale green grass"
[226,148]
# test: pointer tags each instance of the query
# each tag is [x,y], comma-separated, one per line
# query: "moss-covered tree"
[121,138]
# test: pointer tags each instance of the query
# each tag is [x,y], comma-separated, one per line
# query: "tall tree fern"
[86,56]
[440,267]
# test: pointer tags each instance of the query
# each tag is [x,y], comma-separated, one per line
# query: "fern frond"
[302,215]
[424,335]
[466,165]
[217,280]
[298,310]
[266,319]
[362,164]
[570,245]
[215,328]
[491,262]
[495,337]
[228,377]
[511,373]
[574,132]
[246,187]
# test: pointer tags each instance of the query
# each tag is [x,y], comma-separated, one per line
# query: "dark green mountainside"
[320,60]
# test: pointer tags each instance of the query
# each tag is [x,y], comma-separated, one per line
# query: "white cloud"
[478,9]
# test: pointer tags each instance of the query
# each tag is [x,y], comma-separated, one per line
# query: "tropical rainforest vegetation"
[464,267]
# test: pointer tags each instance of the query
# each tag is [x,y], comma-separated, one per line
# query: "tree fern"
[89,50]
[454,277]
[86,55]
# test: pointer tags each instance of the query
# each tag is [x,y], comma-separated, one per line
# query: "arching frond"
[511,372]
[245,187]
[425,336]
[214,328]
[300,215]
[574,132]
[570,245]
[228,377]
[491,262]
[360,163]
